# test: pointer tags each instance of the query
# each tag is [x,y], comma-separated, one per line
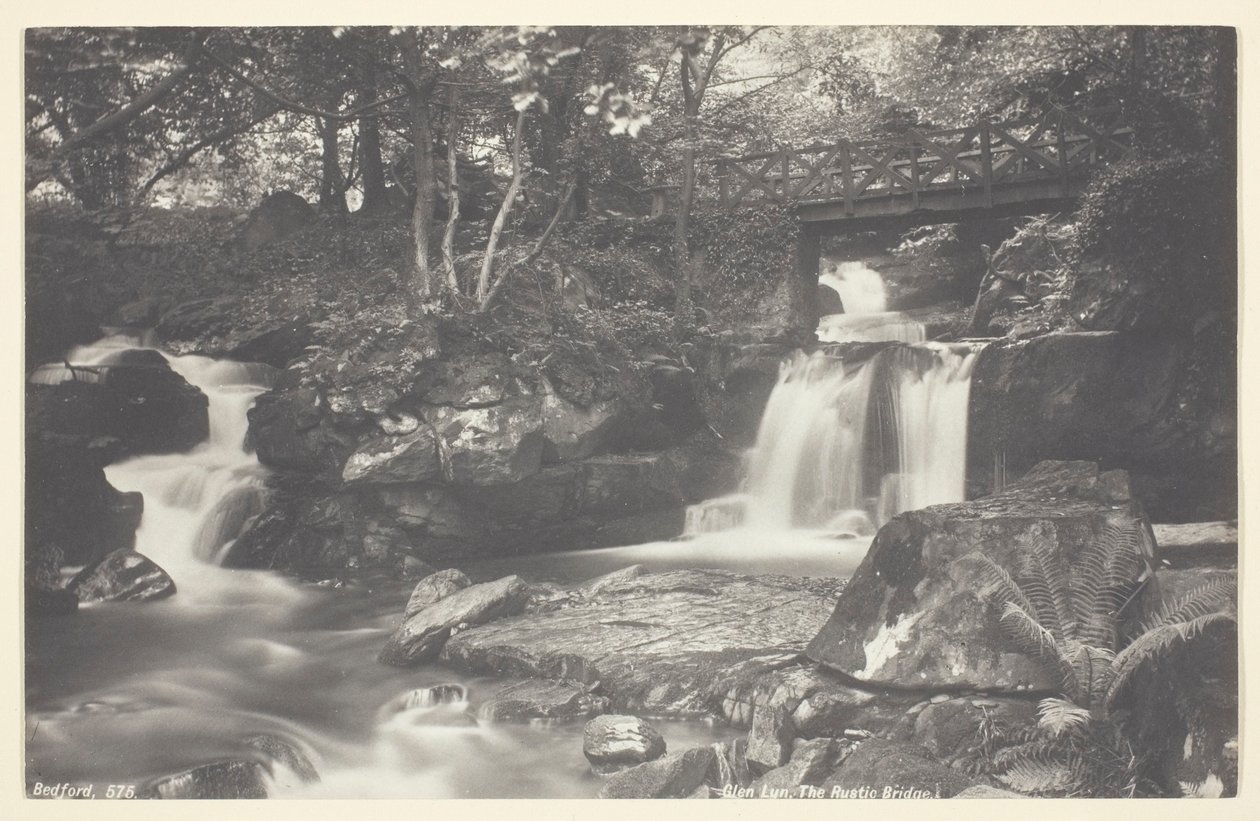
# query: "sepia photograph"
[630,411]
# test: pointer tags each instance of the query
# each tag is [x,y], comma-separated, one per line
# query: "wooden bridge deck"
[986,169]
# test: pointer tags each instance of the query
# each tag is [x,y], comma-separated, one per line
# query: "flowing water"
[851,438]
[122,693]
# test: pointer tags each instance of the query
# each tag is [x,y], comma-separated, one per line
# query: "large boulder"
[660,644]
[289,430]
[812,762]
[70,504]
[498,444]
[675,775]
[614,742]
[133,397]
[912,615]
[411,457]
[433,588]
[278,215]
[886,769]
[420,637]
[123,575]
[575,432]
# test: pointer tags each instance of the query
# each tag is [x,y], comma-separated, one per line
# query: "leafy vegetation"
[1069,617]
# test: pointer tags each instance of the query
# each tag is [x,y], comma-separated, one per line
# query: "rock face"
[133,397]
[666,643]
[492,445]
[70,504]
[433,588]
[1198,544]
[676,775]
[615,742]
[887,769]
[222,779]
[276,217]
[812,762]
[1128,400]
[412,457]
[123,575]
[538,698]
[911,615]
[420,637]
[272,329]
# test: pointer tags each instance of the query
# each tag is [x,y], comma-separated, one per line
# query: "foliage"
[744,248]
[1159,216]
[1068,616]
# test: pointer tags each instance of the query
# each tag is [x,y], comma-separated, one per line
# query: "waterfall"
[861,289]
[195,503]
[845,445]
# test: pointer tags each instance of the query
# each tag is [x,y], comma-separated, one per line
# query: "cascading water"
[845,445]
[125,692]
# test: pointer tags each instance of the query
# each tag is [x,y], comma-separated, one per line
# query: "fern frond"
[1107,573]
[1058,716]
[1034,639]
[1044,578]
[1094,669]
[1211,597]
[1039,775]
[999,587]
[1155,643]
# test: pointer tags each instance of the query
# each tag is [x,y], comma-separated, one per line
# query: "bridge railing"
[1060,145]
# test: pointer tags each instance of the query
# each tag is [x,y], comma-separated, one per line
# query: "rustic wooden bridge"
[984,170]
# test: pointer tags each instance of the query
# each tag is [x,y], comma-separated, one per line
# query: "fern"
[1045,578]
[1107,575]
[1155,643]
[1057,717]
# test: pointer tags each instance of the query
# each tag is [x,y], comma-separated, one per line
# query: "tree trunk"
[375,199]
[332,184]
[683,310]
[452,191]
[487,262]
[422,213]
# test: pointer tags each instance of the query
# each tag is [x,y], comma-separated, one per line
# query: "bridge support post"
[803,280]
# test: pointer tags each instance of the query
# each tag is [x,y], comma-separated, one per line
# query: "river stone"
[408,458]
[889,769]
[911,615]
[493,445]
[812,762]
[661,643]
[285,754]
[219,780]
[675,775]
[123,575]
[770,738]
[542,698]
[433,588]
[615,742]
[420,637]
[133,396]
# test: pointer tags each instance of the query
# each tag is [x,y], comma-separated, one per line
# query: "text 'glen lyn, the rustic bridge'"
[984,170]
